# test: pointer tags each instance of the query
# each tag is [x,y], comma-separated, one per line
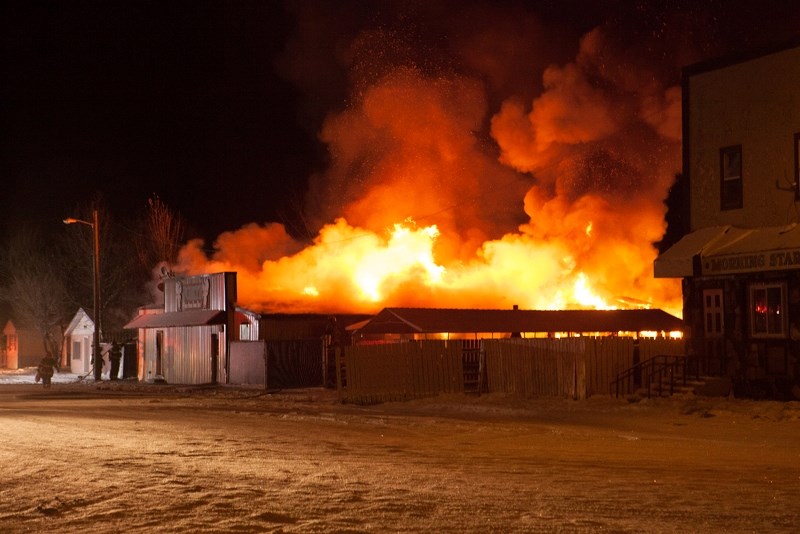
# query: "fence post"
[580,378]
[339,369]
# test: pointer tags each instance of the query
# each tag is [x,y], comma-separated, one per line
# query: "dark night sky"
[201,102]
[180,99]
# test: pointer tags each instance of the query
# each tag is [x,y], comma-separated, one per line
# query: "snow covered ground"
[130,457]
[26,376]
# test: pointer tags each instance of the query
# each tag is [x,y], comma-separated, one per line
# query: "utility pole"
[97,358]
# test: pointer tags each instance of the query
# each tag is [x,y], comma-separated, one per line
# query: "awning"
[181,318]
[723,250]
[743,250]
[683,258]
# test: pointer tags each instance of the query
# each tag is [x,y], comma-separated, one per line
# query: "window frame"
[713,313]
[797,166]
[782,312]
[731,196]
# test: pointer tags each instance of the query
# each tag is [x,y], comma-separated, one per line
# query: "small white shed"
[78,339]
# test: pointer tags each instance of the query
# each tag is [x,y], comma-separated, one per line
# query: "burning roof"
[438,321]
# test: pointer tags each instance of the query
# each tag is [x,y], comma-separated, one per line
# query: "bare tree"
[163,235]
[293,218]
[34,287]
[121,284]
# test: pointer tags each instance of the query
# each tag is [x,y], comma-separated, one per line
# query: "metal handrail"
[654,371]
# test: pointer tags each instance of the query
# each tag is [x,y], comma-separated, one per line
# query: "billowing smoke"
[472,162]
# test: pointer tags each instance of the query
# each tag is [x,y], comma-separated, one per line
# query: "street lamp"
[96,357]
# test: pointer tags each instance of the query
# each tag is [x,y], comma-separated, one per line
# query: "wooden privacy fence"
[536,367]
[400,371]
[576,367]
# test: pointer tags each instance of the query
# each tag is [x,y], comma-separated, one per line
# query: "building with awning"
[739,259]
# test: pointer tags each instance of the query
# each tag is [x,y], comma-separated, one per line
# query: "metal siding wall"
[254,322]
[254,331]
[216,291]
[147,350]
[187,350]
[170,302]
[222,364]
[193,343]
[248,362]
[187,354]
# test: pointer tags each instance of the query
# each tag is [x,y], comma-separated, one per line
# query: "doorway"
[214,357]
[159,355]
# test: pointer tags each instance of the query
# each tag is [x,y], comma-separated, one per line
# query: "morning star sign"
[776,260]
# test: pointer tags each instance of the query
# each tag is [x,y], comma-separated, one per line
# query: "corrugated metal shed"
[187,342]
[438,320]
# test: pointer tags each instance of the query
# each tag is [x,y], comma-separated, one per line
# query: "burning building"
[456,179]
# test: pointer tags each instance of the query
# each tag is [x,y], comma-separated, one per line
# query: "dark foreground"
[120,458]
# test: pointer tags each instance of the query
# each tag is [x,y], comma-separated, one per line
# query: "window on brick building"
[731,177]
[768,310]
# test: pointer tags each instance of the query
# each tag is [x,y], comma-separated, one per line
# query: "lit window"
[768,310]
[731,177]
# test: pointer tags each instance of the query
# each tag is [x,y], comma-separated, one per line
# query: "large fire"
[559,209]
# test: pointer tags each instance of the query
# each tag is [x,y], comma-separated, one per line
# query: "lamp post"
[96,358]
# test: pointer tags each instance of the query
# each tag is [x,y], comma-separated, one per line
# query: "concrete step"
[706,386]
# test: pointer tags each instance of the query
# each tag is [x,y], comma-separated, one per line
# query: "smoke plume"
[479,157]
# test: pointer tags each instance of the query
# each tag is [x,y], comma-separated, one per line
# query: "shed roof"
[439,320]
[79,316]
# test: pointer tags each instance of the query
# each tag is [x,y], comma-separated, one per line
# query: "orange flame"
[352,269]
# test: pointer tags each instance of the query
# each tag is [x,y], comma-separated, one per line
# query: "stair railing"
[657,373]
